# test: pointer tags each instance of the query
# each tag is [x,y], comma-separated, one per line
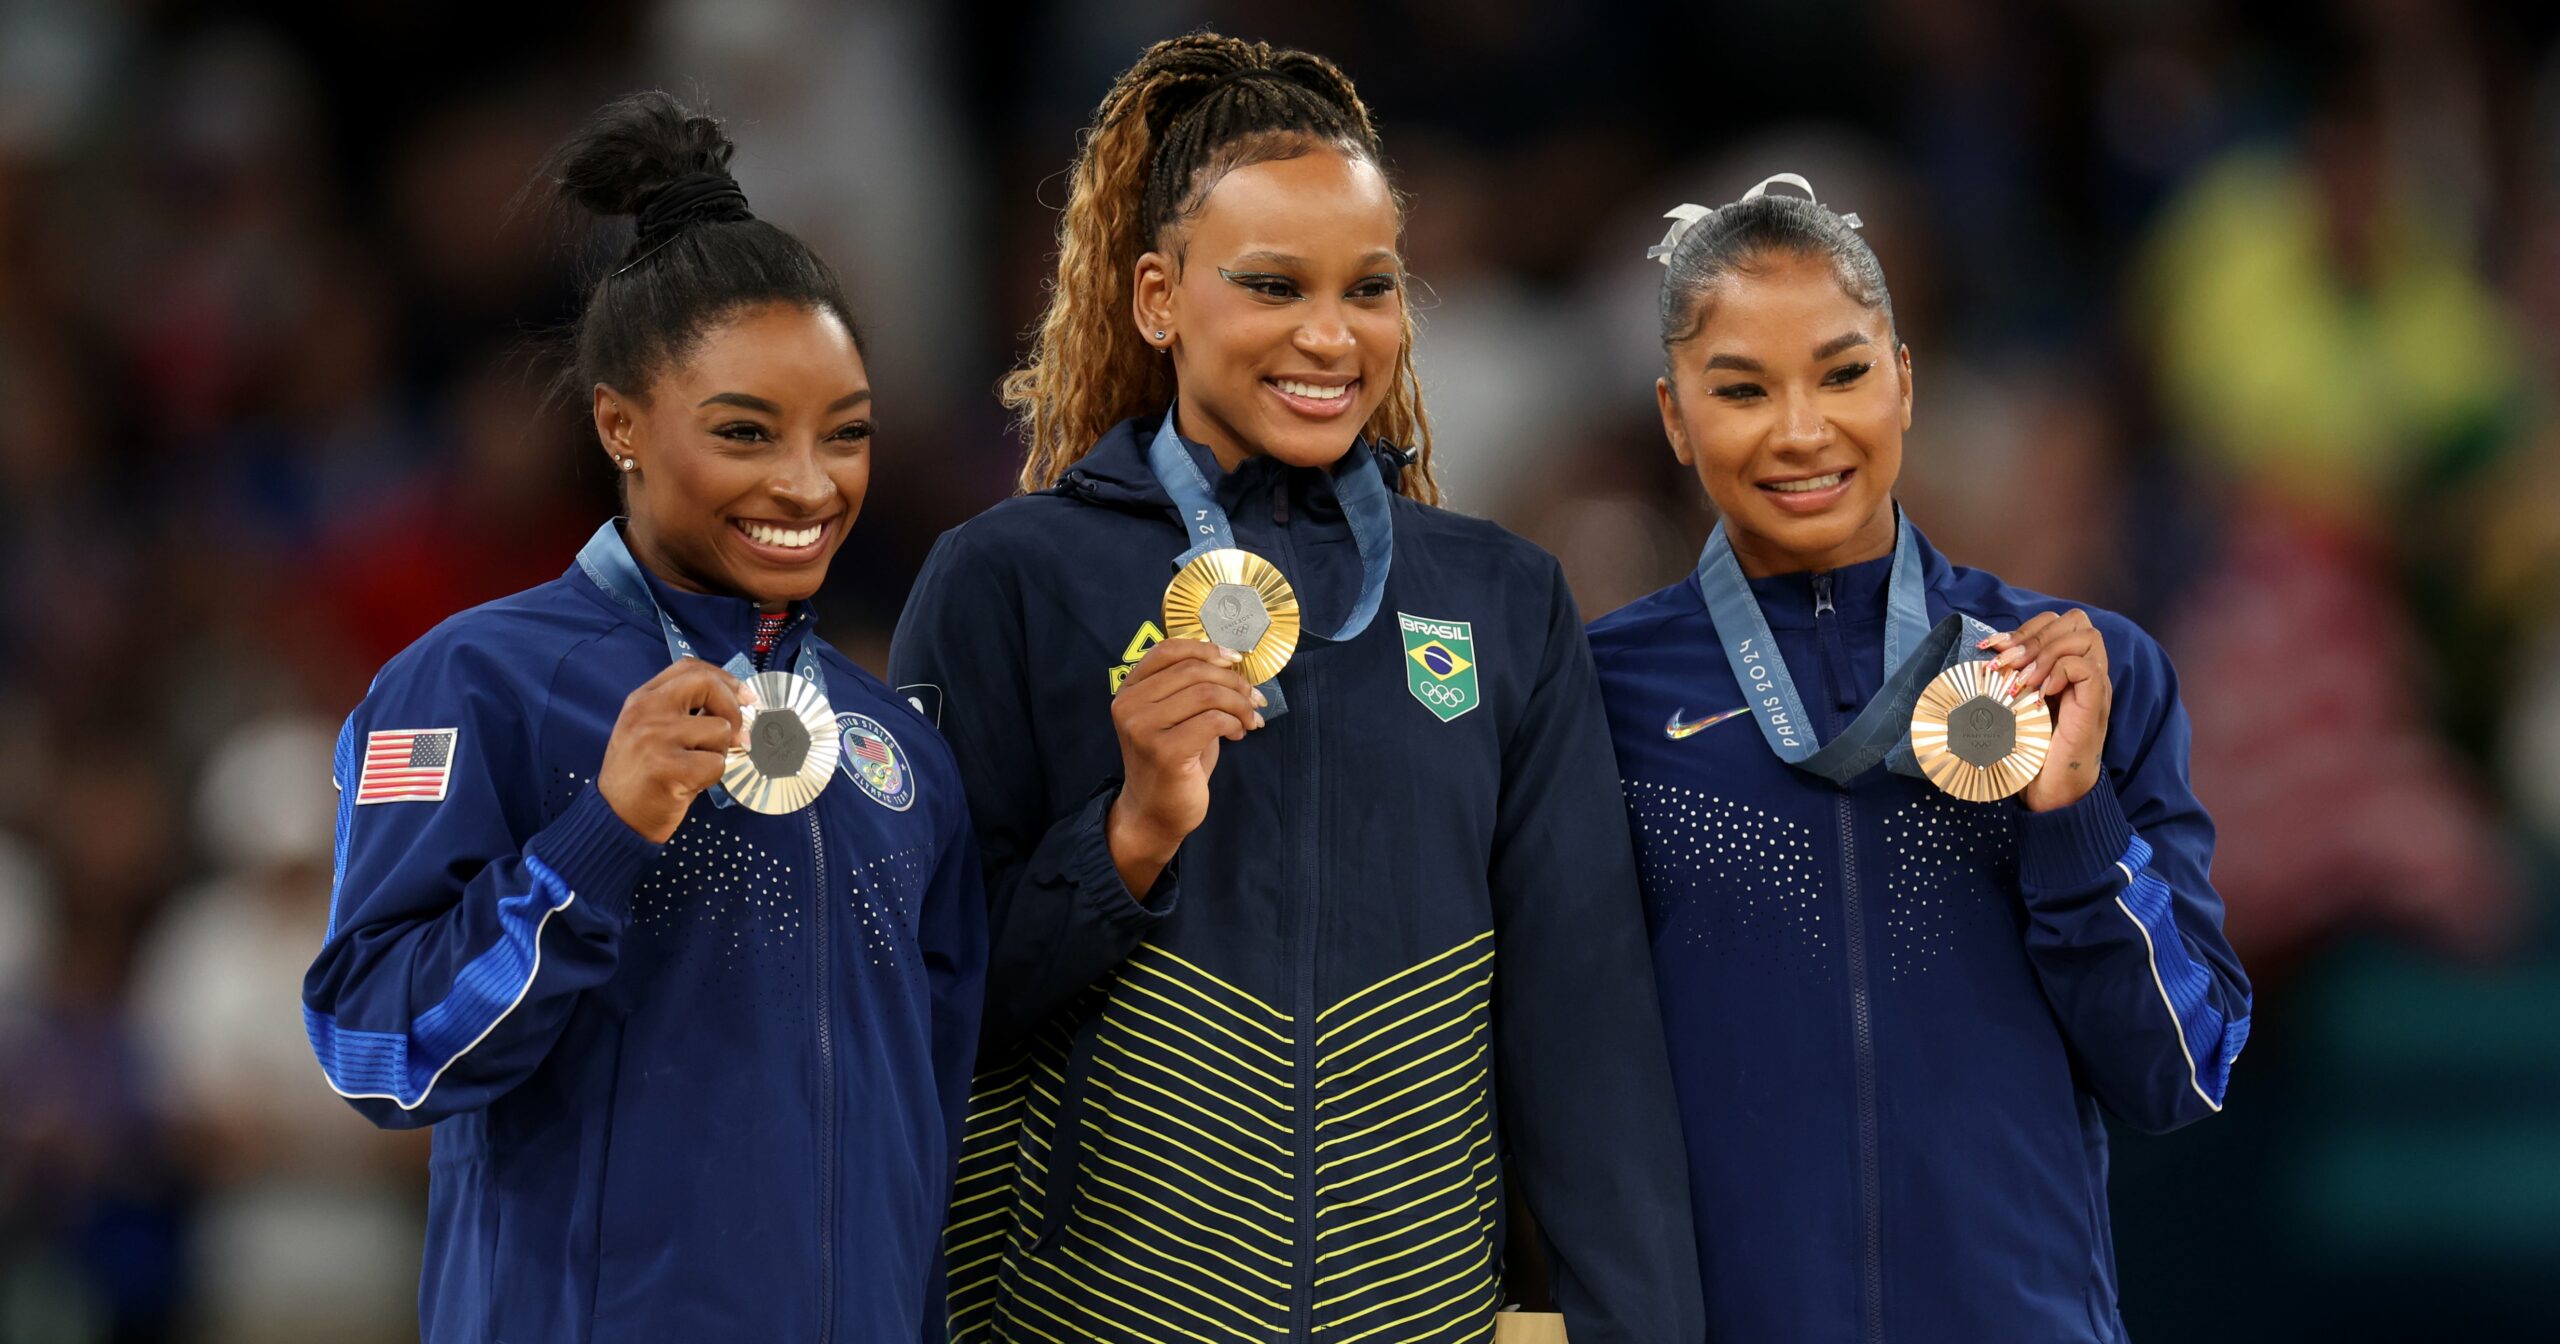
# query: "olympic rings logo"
[1447,697]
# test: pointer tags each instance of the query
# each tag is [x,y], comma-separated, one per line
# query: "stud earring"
[1159,335]
[627,464]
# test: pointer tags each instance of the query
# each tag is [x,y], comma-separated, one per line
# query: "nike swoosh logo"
[1675,729]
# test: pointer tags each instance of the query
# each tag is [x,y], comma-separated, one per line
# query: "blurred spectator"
[297,1236]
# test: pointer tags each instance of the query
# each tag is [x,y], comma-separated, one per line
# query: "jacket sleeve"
[1585,1077]
[1059,917]
[462,930]
[2123,924]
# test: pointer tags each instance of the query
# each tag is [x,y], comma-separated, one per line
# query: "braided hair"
[697,254]
[1193,109]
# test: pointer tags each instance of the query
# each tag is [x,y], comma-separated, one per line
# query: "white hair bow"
[1686,217]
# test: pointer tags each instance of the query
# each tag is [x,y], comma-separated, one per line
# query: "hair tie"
[693,198]
[1687,217]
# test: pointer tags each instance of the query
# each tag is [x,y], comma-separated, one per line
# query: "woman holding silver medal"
[695,1064]
[1898,998]
[1312,899]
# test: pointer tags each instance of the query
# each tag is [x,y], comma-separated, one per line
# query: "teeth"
[1310,390]
[1808,484]
[776,536]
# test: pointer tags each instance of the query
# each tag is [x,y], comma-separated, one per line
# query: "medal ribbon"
[1914,653]
[607,562]
[1364,506]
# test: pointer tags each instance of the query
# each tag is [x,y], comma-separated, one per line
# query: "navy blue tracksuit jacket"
[1895,1017]
[705,1090]
[1269,1101]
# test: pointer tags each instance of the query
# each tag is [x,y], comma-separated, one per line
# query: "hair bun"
[648,155]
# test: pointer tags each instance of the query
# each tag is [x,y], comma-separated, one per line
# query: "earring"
[627,464]
[1159,335]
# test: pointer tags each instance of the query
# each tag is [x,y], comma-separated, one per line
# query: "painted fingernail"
[1260,700]
[1229,656]
[1257,720]
[1984,643]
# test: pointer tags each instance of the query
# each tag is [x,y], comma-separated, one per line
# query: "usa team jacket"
[1895,1017]
[1269,1101]
[701,1091]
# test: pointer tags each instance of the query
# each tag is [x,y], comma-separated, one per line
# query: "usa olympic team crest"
[875,762]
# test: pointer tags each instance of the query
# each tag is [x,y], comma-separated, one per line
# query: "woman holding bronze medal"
[1312,898]
[1926,881]
[695,1063]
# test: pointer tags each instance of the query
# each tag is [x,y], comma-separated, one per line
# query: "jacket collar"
[1857,591]
[720,624]
[1116,472]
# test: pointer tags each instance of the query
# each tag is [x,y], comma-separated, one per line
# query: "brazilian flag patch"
[1440,664]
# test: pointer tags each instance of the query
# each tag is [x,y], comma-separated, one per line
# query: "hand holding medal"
[1180,702]
[2062,657]
[1231,622]
[671,742]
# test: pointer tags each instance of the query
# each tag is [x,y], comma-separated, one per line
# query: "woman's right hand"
[672,742]
[1180,701]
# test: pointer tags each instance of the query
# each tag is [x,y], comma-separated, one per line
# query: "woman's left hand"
[2064,657]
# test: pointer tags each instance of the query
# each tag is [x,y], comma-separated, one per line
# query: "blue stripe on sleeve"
[2185,985]
[344,775]
[403,1067]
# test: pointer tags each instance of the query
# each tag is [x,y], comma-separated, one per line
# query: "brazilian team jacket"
[705,1090]
[1895,1017]
[1269,1102]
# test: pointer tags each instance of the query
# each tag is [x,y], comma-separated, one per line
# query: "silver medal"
[791,748]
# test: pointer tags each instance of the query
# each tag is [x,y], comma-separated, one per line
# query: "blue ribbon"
[1364,505]
[607,562]
[1914,653]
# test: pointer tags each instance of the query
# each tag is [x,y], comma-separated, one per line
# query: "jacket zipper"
[826,1090]
[1304,750]
[1861,1003]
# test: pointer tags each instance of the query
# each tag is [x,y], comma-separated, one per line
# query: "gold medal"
[791,749]
[1979,735]
[1236,600]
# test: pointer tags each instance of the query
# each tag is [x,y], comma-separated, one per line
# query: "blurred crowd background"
[2241,317]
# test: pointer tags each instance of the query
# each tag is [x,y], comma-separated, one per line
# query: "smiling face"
[750,456]
[1789,400]
[1282,304]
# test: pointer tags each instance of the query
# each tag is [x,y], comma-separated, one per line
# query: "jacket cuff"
[592,850]
[2073,848]
[1087,866]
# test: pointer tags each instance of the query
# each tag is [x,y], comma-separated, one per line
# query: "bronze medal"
[1977,734]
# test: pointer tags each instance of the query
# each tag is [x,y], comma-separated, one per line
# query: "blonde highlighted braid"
[1192,109]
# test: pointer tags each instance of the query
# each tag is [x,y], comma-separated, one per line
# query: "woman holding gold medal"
[1312,898]
[695,1063]
[1926,881]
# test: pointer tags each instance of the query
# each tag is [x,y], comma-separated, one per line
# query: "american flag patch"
[406,765]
